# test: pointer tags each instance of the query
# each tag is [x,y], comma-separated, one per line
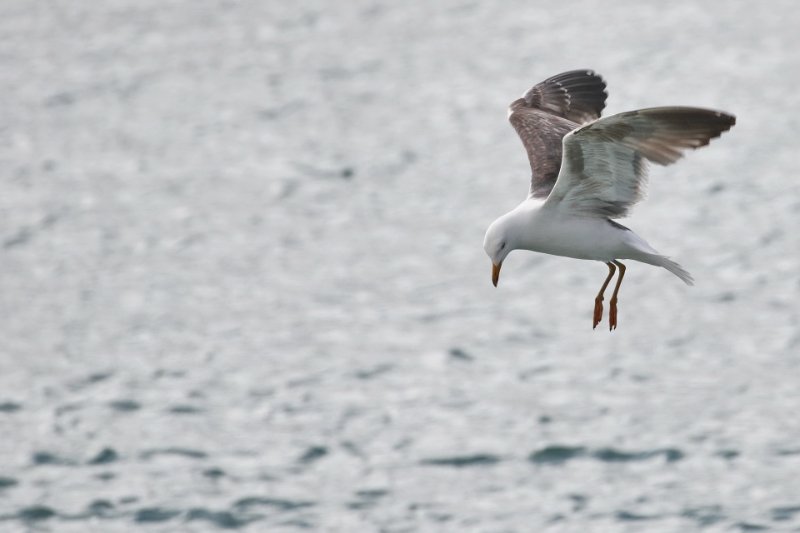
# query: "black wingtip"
[577,95]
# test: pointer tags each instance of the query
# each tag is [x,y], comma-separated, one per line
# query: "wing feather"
[547,112]
[604,166]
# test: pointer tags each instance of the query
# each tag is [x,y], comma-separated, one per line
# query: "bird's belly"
[592,239]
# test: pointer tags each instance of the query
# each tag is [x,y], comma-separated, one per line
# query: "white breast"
[574,236]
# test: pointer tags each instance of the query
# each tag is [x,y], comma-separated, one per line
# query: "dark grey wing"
[547,112]
[577,95]
[605,161]
[541,134]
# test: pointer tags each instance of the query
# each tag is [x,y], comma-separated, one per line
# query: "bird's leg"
[598,301]
[612,314]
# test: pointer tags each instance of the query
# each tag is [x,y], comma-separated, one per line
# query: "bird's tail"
[672,266]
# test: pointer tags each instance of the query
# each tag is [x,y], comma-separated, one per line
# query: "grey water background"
[242,283]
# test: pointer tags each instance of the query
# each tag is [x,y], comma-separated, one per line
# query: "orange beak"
[496,272]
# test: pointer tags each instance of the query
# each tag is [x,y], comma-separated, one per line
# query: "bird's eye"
[502,245]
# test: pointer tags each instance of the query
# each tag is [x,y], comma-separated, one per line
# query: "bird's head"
[497,243]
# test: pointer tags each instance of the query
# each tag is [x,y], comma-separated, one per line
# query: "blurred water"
[242,283]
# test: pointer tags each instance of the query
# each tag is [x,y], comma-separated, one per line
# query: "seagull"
[588,171]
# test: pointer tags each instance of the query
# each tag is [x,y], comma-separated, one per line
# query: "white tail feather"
[673,267]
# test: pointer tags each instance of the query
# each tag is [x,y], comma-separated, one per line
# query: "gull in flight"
[588,171]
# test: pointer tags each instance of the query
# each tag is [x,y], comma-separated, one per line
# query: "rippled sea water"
[242,283]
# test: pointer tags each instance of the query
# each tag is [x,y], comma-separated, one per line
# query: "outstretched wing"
[547,112]
[604,168]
